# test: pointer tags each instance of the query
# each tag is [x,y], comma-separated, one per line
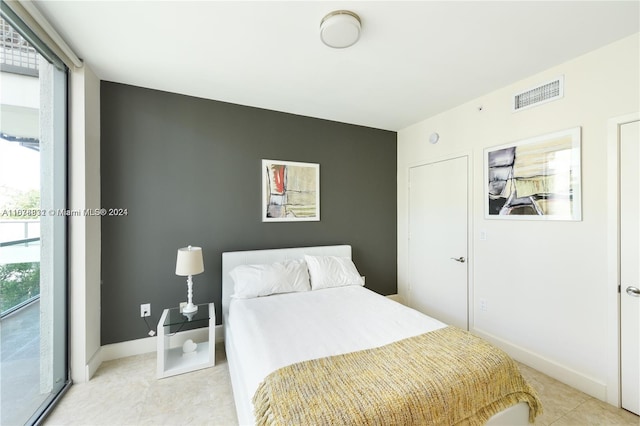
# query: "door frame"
[614,380]
[470,210]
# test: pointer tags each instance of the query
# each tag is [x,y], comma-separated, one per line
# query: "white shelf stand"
[171,359]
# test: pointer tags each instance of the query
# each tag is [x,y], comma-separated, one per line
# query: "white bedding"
[266,333]
[325,322]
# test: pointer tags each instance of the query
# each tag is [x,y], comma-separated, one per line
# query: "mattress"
[324,322]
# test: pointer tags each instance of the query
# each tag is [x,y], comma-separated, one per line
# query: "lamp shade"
[189,261]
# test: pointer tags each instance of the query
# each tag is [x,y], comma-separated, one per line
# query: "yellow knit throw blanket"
[444,377]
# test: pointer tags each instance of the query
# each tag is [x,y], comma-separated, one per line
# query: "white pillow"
[332,271]
[262,280]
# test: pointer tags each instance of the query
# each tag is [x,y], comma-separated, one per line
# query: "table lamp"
[188,263]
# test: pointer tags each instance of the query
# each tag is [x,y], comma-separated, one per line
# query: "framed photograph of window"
[535,179]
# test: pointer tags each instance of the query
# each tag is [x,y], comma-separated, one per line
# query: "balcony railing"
[19,264]
[16,54]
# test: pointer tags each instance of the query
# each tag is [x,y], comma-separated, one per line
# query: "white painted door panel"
[437,237]
[630,265]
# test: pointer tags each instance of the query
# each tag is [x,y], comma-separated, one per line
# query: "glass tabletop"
[200,318]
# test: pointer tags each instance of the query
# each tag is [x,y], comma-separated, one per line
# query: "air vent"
[544,93]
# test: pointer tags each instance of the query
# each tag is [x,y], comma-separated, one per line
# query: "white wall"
[84,193]
[545,282]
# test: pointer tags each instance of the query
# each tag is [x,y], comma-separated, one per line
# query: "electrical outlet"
[484,305]
[145,310]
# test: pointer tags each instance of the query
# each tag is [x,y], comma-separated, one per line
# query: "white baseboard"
[145,345]
[551,368]
[93,364]
[395,298]
[149,344]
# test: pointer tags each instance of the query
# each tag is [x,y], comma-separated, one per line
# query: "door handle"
[462,260]
[633,291]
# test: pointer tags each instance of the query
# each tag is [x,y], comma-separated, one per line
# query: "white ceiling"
[414,59]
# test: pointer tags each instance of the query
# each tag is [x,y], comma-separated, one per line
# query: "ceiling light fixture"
[340,29]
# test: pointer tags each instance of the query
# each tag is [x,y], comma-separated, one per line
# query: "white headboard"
[232,259]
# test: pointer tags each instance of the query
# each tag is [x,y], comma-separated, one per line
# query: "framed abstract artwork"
[290,191]
[535,179]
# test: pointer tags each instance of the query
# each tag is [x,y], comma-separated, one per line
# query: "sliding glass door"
[33,277]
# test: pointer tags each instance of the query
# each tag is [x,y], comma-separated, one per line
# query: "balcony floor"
[20,393]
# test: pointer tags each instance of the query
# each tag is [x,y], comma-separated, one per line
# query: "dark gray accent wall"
[188,171]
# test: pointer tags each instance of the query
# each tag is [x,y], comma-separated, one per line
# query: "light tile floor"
[126,392]
[564,405]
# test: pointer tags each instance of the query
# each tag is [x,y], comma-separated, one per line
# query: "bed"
[273,340]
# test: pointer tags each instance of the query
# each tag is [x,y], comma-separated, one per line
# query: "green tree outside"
[15,199]
[18,282]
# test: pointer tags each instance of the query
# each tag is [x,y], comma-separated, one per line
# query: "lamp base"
[189,308]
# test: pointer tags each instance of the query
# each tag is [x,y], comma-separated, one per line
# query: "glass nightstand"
[174,329]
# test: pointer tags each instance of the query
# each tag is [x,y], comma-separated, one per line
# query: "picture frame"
[538,178]
[290,191]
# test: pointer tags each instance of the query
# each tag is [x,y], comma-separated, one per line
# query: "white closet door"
[630,265]
[438,279]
